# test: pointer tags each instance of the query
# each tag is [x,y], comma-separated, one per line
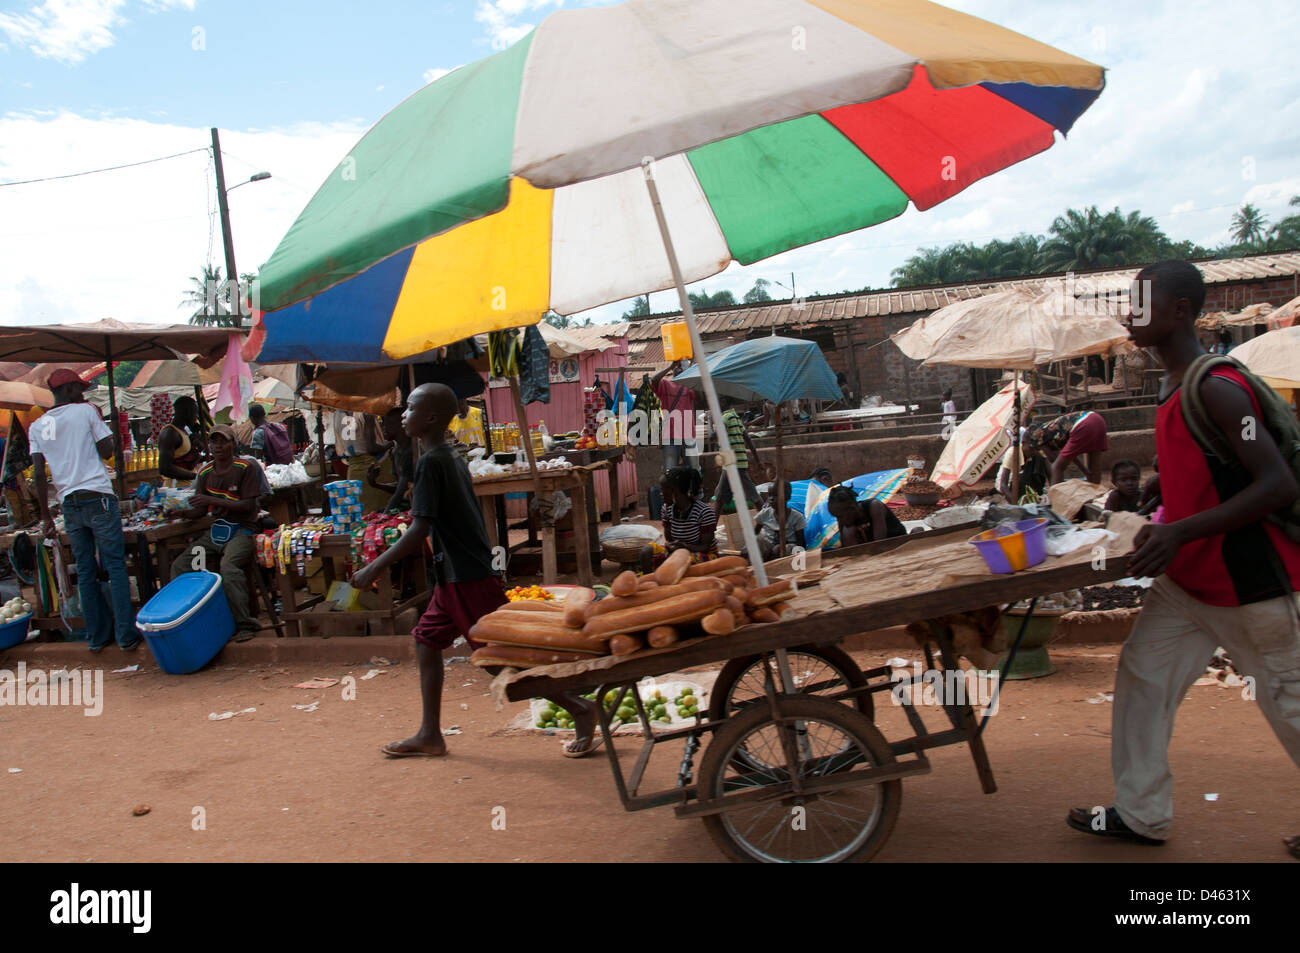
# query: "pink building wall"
[564,414]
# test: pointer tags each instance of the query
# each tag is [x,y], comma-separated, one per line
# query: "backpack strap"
[1199,423]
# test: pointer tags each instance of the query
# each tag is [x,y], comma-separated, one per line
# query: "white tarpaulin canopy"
[1274,356]
[1014,329]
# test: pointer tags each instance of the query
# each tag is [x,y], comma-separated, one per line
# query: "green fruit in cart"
[626,714]
[541,724]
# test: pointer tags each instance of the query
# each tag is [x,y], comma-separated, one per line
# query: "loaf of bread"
[662,635]
[533,631]
[624,584]
[652,595]
[689,607]
[763,614]
[575,605]
[672,569]
[625,644]
[727,564]
[776,592]
[719,622]
[519,657]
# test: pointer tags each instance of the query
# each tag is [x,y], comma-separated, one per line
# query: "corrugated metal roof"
[912,300]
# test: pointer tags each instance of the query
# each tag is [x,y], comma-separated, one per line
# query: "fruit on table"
[533,593]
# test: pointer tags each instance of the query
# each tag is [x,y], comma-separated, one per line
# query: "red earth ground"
[285,784]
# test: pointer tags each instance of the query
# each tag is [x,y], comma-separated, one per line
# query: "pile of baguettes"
[680,601]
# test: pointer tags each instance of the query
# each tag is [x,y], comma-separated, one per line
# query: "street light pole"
[232,276]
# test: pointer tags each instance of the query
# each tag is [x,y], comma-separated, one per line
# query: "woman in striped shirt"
[689,523]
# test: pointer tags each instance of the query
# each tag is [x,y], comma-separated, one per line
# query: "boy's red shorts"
[454,609]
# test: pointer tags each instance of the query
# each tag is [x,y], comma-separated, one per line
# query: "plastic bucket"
[1025,547]
[15,632]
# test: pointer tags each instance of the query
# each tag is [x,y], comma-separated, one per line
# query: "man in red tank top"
[1223,576]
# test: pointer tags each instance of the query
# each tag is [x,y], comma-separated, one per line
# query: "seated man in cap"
[228,488]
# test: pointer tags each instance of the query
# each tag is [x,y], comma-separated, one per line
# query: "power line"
[111,168]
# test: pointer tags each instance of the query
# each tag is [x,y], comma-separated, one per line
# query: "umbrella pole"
[1015,445]
[112,411]
[780,483]
[320,447]
[710,393]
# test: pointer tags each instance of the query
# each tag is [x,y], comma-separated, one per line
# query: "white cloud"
[499,19]
[71,30]
[64,30]
[1182,207]
[122,244]
[430,75]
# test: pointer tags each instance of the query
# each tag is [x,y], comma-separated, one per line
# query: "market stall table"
[297,608]
[732,779]
[578,481]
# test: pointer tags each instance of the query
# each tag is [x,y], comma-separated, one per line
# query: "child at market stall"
[767,526]
[467,585]
[1225,572]
[1126,497]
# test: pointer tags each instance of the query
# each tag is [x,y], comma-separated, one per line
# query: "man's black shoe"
[1112,825]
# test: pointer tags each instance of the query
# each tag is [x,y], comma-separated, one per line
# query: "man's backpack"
[278,448]
[1278,419]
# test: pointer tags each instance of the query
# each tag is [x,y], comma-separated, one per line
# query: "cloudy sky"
[1201,113]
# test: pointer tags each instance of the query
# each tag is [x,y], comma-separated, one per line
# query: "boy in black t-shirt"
[467,587]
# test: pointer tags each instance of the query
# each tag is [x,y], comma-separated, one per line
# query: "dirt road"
[287,784]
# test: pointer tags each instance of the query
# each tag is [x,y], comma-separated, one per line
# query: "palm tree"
[930,266]
[558,320]
[1248,225]
[209,296]
[1087,238]
[640,308]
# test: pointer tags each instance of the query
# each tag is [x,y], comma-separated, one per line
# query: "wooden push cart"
[782,777]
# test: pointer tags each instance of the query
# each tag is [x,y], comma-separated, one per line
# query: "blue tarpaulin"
[771,368]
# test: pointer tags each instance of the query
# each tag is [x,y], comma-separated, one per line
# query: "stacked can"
[593,402]
[345,505]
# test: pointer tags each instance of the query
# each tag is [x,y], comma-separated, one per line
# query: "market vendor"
[1071,437]
[402,455]
[1034,472]
[689,522]
[357,441]
[229,489]
[466,426]
[180,445]
[678,404]
[862,521]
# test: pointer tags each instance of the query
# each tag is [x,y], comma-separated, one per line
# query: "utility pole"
[232,276]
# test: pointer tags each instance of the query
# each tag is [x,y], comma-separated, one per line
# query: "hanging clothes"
[503,353]
[19,457]
[535,368]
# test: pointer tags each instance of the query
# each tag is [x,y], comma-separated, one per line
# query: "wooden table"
[338,546]
[578,481]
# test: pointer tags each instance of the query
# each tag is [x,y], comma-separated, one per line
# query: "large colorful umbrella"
[511,186]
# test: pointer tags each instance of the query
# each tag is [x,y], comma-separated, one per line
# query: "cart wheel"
[817,670]
[748,753]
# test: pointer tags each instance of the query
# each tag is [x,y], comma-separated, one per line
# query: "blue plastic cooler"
[187,623]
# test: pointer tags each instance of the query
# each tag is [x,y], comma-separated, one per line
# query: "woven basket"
[623,544]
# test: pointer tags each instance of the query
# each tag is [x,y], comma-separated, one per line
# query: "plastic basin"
[15,632]
[1025,547]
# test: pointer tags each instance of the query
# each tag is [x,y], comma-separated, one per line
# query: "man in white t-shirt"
[74,440]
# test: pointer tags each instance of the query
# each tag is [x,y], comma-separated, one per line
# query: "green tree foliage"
[640,308]
[758,294]
[719,299]
[1084,239]
[559,320]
